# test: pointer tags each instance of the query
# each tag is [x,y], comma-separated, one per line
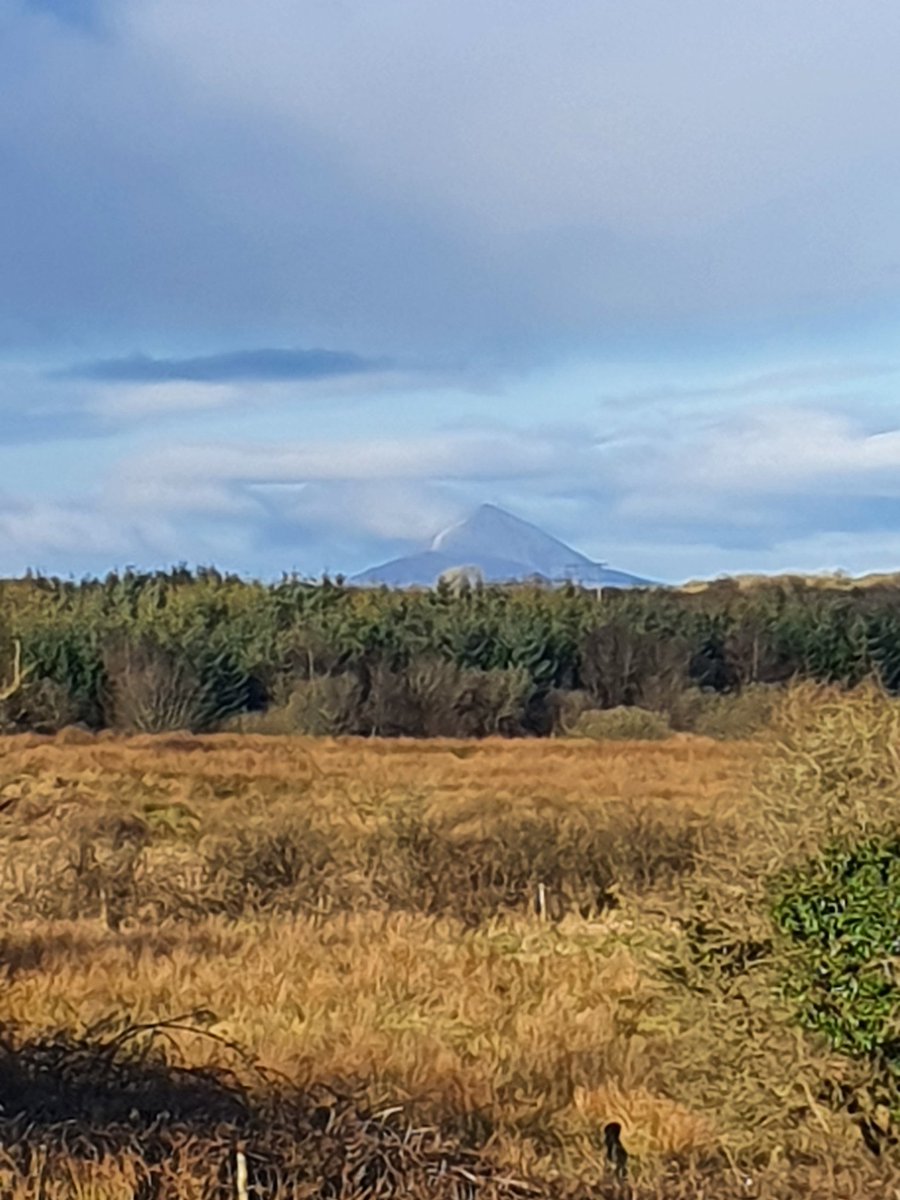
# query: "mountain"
[505,548]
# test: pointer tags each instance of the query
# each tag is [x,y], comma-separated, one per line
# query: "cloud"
[45,530]
[764,384]
[43,406]
[340,502]
[487,182]
[266,365]
[456,456]
[352,515]
[765,453]
[492,190]
[731,492]
[155,400]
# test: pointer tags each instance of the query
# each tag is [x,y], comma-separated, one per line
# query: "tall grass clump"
[841,743]
[473,866]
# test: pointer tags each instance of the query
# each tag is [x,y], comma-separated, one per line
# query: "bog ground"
[419,968]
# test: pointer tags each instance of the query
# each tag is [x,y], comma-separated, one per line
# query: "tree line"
[192,649]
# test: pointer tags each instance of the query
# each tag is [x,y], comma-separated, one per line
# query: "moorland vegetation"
[445,967]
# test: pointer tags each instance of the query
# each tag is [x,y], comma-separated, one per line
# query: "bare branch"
[10,689]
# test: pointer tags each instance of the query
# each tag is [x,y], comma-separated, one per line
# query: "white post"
[240,1175]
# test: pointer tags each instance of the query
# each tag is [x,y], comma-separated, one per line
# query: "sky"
[292,285]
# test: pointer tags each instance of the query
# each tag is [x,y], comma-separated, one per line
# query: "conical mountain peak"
[505,548]
[494,533]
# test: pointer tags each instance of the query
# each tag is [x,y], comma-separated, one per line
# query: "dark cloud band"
[238,365]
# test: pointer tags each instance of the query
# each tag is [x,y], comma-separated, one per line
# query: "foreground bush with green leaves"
[839,916]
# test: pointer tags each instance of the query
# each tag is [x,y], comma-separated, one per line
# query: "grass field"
[498,946]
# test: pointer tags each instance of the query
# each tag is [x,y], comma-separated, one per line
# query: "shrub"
[727,715]
[435,698]
[563,709]
[470,869]
[840,918]
[524,865]
[41,705]
[294,867]
[322,705]
[651,847]
[623,666]
[621,724]
[494,701]
[97,870]
[152,688]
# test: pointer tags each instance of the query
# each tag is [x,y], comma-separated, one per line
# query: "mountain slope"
[504,547]
[490,529]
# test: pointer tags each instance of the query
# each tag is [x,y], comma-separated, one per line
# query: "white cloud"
[46,528]
[453,456]
[756,488]
[130,401]
[380,509]
[788,382]
[118,402]
[760,453]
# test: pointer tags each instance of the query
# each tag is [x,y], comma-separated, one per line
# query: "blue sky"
[294,284]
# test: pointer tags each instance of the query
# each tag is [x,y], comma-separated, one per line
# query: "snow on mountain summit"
[492,532]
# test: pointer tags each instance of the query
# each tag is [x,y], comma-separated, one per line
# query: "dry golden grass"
[224,768]
[515,1032]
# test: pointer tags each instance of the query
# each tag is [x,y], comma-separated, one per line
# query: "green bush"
[839,918]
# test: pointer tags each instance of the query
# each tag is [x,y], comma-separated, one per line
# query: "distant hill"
[504,548]
[824,581]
